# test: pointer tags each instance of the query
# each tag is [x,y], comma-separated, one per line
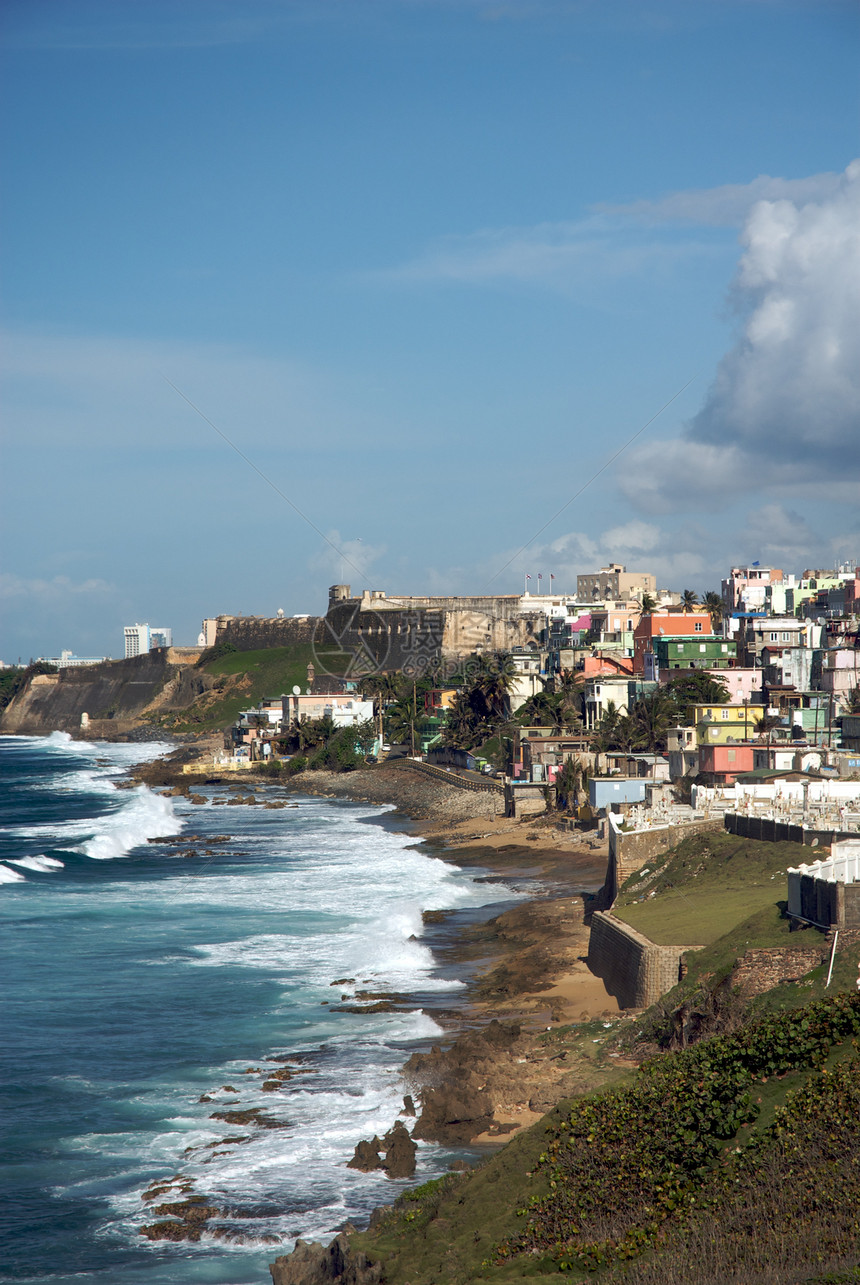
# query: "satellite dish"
[297,691]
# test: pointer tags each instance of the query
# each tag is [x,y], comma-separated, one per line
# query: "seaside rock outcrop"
[313,1264]
[399,1152]
[367,1157]
[456,1104]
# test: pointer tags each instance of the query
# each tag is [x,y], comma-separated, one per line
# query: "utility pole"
[414,716]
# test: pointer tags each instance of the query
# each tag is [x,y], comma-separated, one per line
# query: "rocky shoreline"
[498,1073]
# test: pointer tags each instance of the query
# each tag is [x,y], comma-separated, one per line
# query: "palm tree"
[569,689]
[494,681]
[570,782]
[689,600]
[715,607]
[654,715]
[647,603]
[402,720]
[627,733]
[603,736]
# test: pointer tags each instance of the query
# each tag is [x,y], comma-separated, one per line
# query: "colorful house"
[720,764]
[668,624]
[723,724]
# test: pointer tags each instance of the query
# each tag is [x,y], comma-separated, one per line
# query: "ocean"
[147,986]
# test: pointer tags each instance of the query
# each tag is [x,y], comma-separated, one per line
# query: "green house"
[694,653]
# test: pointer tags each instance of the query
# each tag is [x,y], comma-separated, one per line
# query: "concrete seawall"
[632,968]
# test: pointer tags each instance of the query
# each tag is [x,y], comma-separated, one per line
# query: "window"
[679,647]
[724,649]
[698,626]
[725,714]
[702,647]
[786,637]
[773,637]
[732,755]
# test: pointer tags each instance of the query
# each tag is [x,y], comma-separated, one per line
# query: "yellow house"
[718,724]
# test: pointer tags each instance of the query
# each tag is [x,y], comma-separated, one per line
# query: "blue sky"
[428,264]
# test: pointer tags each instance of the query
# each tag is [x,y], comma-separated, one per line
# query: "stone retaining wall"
[760,970]
[487,786]
[250,633]
[632,968]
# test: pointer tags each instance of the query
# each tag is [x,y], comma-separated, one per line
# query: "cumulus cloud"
[345,560]
[784,408]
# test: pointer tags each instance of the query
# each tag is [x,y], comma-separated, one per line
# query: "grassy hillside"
[735,1161]
[242,679]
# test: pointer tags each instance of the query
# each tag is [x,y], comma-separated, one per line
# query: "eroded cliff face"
[114,696]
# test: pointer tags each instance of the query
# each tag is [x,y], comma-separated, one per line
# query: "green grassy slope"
[735,1161]
[705,887]
[243,678]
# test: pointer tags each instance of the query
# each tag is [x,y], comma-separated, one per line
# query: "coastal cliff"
[113,695]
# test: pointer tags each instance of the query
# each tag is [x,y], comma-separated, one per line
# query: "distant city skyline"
[427,267]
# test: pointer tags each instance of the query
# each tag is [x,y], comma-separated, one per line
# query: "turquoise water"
[138,979]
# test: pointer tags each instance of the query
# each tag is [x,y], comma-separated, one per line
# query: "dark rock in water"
[259,1118]
[314,1264]
[197,798]
[367,1157]
[408,1104]
[382,1007]
[399,1152]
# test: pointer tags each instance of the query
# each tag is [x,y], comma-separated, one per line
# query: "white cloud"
[727,205]
[557,255]
[612,241]
[784,409]
[53,590]
[345,560]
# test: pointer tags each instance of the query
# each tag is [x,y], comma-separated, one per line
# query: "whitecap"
[40,862]
[10,876]
[143,816]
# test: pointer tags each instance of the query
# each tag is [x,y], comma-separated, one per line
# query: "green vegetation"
[734,1161]
[626,1163]
[705,887]
[243,678]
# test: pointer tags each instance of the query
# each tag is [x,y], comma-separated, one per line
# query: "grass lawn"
[709,884]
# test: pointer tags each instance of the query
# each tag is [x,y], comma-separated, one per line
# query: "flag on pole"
[540,575]
[551,576]
[528,577]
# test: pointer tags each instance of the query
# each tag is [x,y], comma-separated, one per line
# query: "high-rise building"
[142,638]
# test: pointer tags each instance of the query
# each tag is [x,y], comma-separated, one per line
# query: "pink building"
[745,588]
[724,762]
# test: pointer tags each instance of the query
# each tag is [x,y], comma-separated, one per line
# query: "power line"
[593,478]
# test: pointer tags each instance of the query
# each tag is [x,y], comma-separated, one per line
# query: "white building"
[68,660]
[143,638]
